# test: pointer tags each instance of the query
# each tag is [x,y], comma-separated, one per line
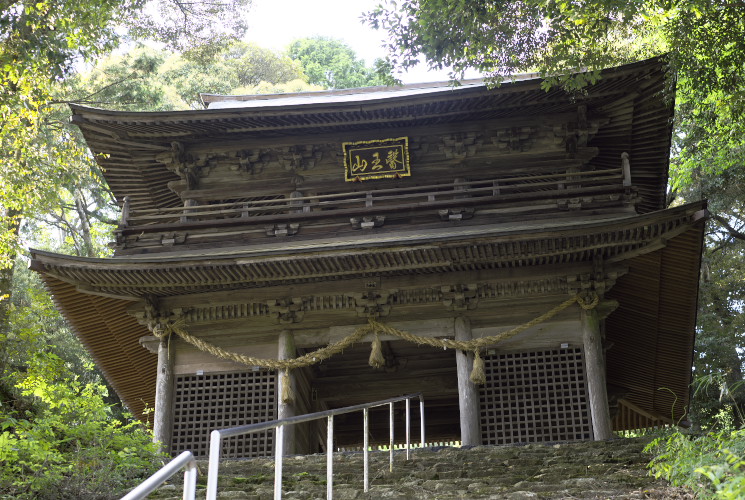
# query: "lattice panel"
[535,396]
[204,403]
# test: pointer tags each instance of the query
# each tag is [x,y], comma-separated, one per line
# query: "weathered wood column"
[164,391]
[286,409]
[595,370]
[468,392]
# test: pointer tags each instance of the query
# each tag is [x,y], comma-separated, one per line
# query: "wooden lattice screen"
[204,403]
[535,396]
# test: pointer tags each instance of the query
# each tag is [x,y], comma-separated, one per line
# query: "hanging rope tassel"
[377,360]
[287,396]
[478,375]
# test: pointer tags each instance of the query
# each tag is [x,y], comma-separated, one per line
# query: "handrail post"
[408,428]
[214,464]
[190,481]
[390,422]
[421,417]
[184,460]
[330,458]
[365,449]
[278,451]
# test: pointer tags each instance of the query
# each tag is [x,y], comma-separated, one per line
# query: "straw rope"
[480,343]
[376,328]
[275,364]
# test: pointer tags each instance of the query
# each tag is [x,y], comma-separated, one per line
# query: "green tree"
[60,436]
[333,64]
[147,79]
[199,27]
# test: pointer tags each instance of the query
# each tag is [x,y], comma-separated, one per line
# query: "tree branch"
[730,230]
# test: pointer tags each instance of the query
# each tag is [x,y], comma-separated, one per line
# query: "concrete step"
[591,470]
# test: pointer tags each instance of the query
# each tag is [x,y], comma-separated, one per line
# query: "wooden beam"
[286,409]
[164,391]
[468,393]
[383,386]
[595,372]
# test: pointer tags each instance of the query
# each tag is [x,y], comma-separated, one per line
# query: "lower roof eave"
[613,240]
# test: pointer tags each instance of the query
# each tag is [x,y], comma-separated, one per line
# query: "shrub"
[712,465]
[69,445]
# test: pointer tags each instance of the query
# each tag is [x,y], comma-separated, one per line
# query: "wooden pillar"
[595,371]
[164,389]
[468,392]
[286,350]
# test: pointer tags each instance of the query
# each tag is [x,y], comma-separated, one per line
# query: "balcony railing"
[456,200]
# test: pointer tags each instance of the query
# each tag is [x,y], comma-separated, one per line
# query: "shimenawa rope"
[377,359]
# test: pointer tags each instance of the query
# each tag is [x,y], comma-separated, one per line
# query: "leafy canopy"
[333,64]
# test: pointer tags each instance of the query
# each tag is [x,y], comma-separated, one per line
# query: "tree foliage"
[198,27]
[333,64]
[61,436]
[147,79]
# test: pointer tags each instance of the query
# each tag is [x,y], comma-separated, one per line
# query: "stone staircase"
[610,469]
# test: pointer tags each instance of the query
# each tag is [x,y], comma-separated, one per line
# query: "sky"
[275,23]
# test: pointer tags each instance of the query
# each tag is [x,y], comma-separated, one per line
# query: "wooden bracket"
[288,310]
[455,214]
[460,145]
[460,297]
[170,239]
[282,229]
[373,303]
[367,222]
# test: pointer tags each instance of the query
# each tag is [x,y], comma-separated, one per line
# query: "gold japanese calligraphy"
[379,159]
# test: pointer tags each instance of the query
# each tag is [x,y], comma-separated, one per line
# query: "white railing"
[186,459]
[218,435]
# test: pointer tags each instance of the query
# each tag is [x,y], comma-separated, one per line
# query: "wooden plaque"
[381,159]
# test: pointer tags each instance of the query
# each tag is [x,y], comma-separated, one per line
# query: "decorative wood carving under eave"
[376,302]
[460,297]
[288,310]
[255,161]
[373,303]
[190,168]
[368,222]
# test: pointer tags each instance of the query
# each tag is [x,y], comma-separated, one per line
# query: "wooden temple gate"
[421,223]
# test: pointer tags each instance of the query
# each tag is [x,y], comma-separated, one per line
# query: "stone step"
[609,469]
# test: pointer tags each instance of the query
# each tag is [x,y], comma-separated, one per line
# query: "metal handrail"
[217,436]
[186,459]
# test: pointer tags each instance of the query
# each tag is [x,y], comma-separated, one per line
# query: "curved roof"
[126,144]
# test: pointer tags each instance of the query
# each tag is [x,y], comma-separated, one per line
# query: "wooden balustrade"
[528,188]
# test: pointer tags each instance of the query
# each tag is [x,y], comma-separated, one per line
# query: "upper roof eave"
[309,101]
[127,144]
